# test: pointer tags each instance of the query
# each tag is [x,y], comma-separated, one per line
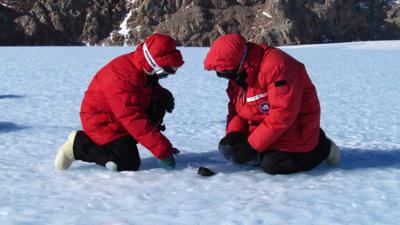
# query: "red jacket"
[280,108]
[115,102]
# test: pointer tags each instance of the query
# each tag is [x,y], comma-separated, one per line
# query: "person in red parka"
[125,105]
[273,111]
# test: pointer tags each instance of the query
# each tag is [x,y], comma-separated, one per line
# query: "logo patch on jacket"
[264,107]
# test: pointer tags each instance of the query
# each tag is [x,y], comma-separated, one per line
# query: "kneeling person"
[124,105]
[273,111]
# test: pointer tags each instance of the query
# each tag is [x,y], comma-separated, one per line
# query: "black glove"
[169,104]
[243,153]
[156,113]
[232,139]
[167,101]
[228,144]
[151,80]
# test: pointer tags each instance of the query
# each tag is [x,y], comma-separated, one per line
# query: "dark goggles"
[228,74]
[164,72]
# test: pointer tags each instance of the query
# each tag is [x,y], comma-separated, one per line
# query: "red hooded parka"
[280,107]
[115,102]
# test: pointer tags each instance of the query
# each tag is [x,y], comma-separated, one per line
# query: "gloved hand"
[169,162]
[243,153]
[232,139]
[152,80]
[228,144]
[168,101]
[156,113]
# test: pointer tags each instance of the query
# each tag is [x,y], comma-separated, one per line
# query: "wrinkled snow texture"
[41,90]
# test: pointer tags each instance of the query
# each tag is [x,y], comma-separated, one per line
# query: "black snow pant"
[280,162]
[123,152]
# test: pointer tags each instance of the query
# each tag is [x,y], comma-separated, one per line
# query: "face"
[228,74]
[239,78]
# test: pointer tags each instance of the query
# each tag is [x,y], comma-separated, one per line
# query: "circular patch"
[264,107]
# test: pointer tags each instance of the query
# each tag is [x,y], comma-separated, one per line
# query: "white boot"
[110,165]
[65,154]
[334,157]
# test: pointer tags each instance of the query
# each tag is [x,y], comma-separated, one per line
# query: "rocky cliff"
[63,22]
[196,22]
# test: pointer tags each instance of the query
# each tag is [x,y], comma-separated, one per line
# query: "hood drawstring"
[242,95]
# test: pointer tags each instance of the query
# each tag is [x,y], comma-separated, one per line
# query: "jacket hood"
[162,49]
[225,53]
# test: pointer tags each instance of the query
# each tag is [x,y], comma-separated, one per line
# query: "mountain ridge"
[196,22]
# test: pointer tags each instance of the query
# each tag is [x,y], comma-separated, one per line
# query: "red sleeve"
[284,94]
[125,102]
[234,122]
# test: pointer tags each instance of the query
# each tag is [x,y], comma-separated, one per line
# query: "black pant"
[280,162]
[123,152]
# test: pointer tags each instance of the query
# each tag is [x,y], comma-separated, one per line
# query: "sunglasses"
[164,72]
[228,74]
[160,72]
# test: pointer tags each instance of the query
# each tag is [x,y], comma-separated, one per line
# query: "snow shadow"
[183,160]
[353,159]
[11,96]
[212,160]
[10,127]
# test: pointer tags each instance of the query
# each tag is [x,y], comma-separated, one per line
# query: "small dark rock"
[205,172]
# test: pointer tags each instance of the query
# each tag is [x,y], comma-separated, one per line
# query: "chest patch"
[264,107]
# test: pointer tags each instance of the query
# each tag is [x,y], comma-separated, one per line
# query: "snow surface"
[123,27]
[40,93]
[266,14]
[124,30]
[4,4]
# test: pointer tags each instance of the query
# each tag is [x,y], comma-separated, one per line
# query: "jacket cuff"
[249,140]
[165,154]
